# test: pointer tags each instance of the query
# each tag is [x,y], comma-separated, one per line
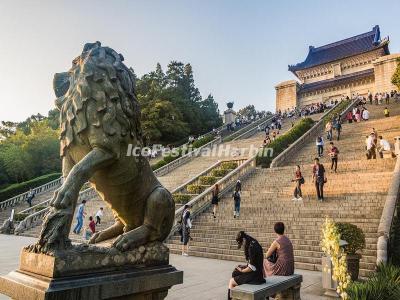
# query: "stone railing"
[306,137]
[388,213]
[22,197]
[245,129]
[202,201]
[253,130]
[35,217]
[185,158]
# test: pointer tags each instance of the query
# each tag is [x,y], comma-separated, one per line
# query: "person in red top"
[299,181]
[92,225]
[333,153]
[349,117]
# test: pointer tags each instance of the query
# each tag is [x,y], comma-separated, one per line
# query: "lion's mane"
[99,75]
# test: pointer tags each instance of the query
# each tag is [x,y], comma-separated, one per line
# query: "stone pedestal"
[95,273]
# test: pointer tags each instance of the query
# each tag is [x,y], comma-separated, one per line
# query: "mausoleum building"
[356,65]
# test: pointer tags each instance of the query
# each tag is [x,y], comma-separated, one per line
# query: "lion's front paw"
[63,198]
[96,238]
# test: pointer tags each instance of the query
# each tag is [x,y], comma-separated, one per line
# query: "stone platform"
[93,272]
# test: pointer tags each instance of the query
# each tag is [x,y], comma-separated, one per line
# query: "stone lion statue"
[100,117]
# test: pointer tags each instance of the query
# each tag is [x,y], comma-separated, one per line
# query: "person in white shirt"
[319,142]
[365,115]
[99,215]
[383,146]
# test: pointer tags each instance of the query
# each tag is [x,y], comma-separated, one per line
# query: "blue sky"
[238,49]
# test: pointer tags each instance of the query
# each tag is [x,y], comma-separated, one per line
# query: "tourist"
[279,257]
[370,97]
[319,178]
[386,112]
[358,115]
[215,199]
[238,185]
[90,229]
[338,128]
[328,130]
[320,145]
[236,200]
[349,117]
[186,224]
[371,146]
[333,153]
[365,114]
[30,197]
[252,272]
[99,215]
[79,217]
[387,98]
[298,178]
[383,146]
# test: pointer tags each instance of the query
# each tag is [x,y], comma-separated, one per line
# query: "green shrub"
[19,217]
[182,198]
[337,110]
[382,285]
[353,235]
[202,141]
[283,141]
[229,165]
[207,180]
[220,172]
[19,188]
[195,188]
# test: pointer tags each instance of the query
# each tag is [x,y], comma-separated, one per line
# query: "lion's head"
[97,75]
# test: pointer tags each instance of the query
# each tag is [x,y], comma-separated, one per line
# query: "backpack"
[319,139]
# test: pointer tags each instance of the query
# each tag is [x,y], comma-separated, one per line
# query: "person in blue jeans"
[236,199]
[79,217]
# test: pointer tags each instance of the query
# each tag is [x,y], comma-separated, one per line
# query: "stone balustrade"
[253,130]
[22,197]
[35,217]
[388,213]
[186,158]
[312,133]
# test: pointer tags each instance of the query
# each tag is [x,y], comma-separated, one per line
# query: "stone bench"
[284,287]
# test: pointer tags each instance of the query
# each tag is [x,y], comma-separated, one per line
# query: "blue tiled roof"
[314,86]
[348,47]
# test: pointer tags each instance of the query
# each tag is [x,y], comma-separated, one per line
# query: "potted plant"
[355,239]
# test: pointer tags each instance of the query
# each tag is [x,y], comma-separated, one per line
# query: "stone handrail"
[387,217]
[22,197]
[202,201]
[305,138]
[185,158]
[183,186]
[252,131]
[34,218]
[252,125]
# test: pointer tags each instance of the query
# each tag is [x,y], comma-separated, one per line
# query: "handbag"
[302,181]
[273,258]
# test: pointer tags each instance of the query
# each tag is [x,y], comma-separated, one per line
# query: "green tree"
[396,75]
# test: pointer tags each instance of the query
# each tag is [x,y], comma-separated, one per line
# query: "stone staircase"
[40,197]
[355,194]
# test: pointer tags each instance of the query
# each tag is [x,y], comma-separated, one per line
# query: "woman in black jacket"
[252,273]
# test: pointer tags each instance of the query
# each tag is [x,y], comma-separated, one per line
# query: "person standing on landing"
[215,199]
[79,217]
[319,178]
[186,226]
